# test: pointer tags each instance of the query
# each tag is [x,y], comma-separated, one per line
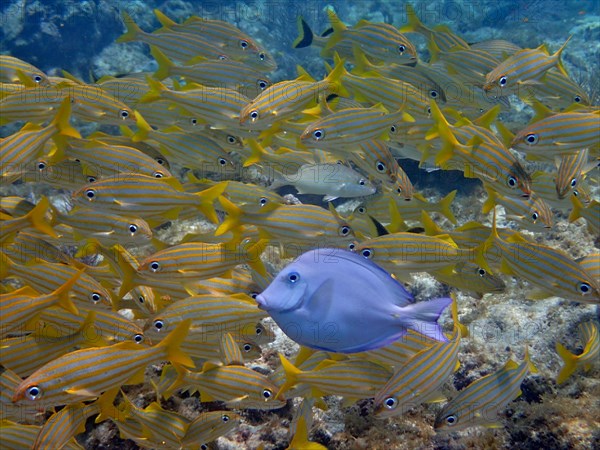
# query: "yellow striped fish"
[234,42]
[85,374]
[420,379]
[210,316]
[297,222]
[153,199]
[64,425]
[105,160]
[237,386]
[480,402]
[12,70]
[559,134]
[16,436]
[440,37]
[217,73]
[378,40]
[352,378]
[24,304]
[591,214]
[208,426]
[216,106]
[523,67]
[288,98]
[347,128]
[27,144]
[588,334]
[108,229]
[25,354]
[179,46]
[35,218]
[552,271]
[46,277]
[570,171]
[401,253]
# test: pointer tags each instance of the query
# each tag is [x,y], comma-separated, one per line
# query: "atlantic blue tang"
[336,300]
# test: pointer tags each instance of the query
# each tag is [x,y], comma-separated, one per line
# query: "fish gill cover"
[175,172]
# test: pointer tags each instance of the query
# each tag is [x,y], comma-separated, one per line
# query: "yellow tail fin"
[570,363]
[133,31]
[173,342]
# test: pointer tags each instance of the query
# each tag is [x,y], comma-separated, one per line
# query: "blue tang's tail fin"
[422,317]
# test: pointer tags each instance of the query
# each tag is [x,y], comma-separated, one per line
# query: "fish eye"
[247,347]
[154,266]
[262,84]
[133,228]
[159,160]
[141,299]
[577,99]
[138,338]
[254,115]
[367,253]
[225,418]
[574,182]
[362,209]
[254,295]
[194,121]
[261,56]
[267,394]
[451,420]
[258,331]
[222,161]
[33,393]
[158,174]
[399,190]
[433,93]
[204,447]
[351,246]
[124,114]
[511,181]
[159,325]
[90,194]
[380,167]
[393,129]
[318,134]
[502,81]
[390,403]
[223,58]
[531,139]
[231,139]
[95,297]
[263,201]
[37,78]
[362,182]
[429,110]
[535,216]
[584,288]
[401,48]
[481,271]
[244,44]
[344,230]
[293,277]
[41,165]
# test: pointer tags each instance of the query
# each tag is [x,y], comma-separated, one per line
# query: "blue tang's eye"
[293,277]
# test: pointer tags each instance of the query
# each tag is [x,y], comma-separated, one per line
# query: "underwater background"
[79,37]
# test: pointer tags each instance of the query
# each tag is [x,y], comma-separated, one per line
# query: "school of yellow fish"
[94,294]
